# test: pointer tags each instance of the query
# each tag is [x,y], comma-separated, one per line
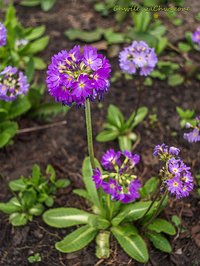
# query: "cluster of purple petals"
[117,181]
[194,135]
[12,84]
[196,36]
[138,56]
[3,35]
[177,175]
[74,77]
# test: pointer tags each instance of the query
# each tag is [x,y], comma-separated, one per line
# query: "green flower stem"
[158,209]
[89,132]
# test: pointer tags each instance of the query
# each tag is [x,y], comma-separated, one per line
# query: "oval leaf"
[161,225]
[77,239]
[132,244]
[65,217]
[160,242]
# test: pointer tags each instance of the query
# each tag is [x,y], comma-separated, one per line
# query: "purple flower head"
[193,136]
[74,77]
[118,180]
[12,84]
[110,158]
[196,36]
[138,56]
[3,35]
[175,174]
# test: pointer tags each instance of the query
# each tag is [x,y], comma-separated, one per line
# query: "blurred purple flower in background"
[138,56]
[196,36]
[3,35]
[12,84]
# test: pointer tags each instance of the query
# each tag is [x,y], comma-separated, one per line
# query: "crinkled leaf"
[77,240]
[7,130]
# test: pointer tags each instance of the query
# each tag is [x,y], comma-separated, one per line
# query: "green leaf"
[132,244]
[113,37]
[49,109]
[7,130]
[38,45]
[62,183]
[185,113]
[11,206]
[184,47]
[35,33]
[141,21]
[17,185]
[98,222]
[18,219]
[65,217]
[86,36]
[131,212]
[82,193]
[49,201]
[149,187]
[125,143]
[36,174]
[37,210]
[47,4]
[28,198]
[114,116]
[103,245]
[107,135]
[77,240]
[176,220]
[19,107]
[161,225]
[134,120]
[3,114]
[51,173]
[160,242]
[30,2]
[39,63]
[87,178]
[175,80]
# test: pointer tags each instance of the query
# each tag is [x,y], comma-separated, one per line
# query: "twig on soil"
[36,128]
[99,262]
